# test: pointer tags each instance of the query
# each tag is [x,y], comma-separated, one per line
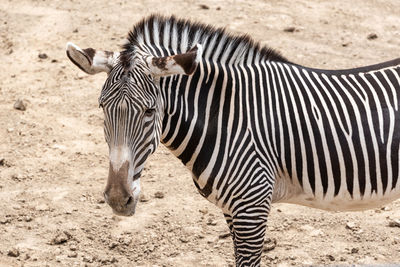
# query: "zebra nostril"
[129,201]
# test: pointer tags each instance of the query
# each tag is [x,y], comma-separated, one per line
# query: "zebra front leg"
[248,226]
[248,239]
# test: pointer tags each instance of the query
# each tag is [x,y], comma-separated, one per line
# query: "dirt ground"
[54,160]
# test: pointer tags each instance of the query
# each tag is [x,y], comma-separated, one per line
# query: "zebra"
[252,127]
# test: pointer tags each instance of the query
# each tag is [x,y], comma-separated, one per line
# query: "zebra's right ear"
[90,60]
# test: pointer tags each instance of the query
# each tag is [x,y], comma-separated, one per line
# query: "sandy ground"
[53,157]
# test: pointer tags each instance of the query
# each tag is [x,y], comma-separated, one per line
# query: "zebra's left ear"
[185,63]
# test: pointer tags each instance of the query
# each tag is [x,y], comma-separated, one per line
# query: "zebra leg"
[248,225]
[228,219]
[248,238]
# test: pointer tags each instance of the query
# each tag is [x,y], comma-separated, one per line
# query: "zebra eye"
[149,111]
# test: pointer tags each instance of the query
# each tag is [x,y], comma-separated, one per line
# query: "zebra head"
[132,102]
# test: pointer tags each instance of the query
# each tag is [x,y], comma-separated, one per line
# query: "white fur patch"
[118,156]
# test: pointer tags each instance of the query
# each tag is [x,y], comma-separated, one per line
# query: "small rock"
[269,244]
[42,207]
[211,222]
[5,220]
[125,241]
[75,31]
[159,194]
[143,198]
[330,257]
[72,254]
[28,218]
[372,36]
[2,162]
[202,6]
[289,29]
[42,55]
[204,211]
[351,226]
[394,223]
[88,259]
[14,252]
[113,245]
[184,239]
[222,236]
[317,232]
[54,61]
[20,105]
[354,250]
[60,238]
[101,201]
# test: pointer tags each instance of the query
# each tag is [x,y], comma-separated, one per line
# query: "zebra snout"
[122,205]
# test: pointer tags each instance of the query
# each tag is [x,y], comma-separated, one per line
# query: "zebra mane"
[166,34]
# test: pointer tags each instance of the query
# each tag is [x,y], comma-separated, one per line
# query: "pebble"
[204,211]
[5,220]
[351,226]
[394,223]
[14,252]
[225,235]
[330,257]
[143,198]
[113,245]
[289,29]
[316,232]
[372,36]
[88,259]
[184,239]
[20,105]
[354,250]
[42,55]
[269,244]
[42,207]
[211,222]
[125,241]
[159,194]
[60,238]
[202,6]
[72,254]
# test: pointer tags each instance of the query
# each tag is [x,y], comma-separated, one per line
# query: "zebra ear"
[185,63]
[90,60]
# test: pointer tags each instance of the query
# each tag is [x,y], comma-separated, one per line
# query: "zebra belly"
[343,201]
